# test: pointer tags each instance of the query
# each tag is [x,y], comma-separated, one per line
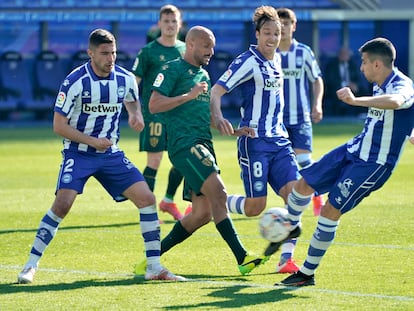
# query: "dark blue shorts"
[347,178]
[265,162]
[113,170]
[301,135]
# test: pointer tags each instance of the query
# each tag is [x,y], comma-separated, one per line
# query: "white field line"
[248,236]
[220,283]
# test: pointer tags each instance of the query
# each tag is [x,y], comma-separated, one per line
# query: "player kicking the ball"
[354,170]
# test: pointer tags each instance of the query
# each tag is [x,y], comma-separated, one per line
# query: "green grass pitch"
[89,265]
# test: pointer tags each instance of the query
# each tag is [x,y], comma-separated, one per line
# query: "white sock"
[235,204]
[150,229]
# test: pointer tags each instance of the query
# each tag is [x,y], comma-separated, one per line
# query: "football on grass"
[274,225]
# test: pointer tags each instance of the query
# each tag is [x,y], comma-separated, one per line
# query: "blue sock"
[45,233]
[150,229]
[287,249]
[297,203]
[235,204]
[322,238]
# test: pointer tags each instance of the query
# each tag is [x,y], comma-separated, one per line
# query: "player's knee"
[148,199]
[254,207]
[143,199]
[303,187]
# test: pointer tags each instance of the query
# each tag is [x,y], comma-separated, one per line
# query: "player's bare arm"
[62,128]
[317,111]
[160,103]
[244,131]
[388,101]
[135,118]
[217,120]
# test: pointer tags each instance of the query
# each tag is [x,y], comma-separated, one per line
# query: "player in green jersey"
[153,138]
[181,92]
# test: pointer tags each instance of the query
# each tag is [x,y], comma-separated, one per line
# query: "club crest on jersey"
[60,99]
[226,75]
[121,91]
[299,61]
[162,58]
[158,80]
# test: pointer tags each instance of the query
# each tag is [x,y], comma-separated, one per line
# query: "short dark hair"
[100,36]
[286,13]
[380,48]
[169,9]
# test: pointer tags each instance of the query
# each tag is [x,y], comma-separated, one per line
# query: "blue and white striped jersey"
[93,105]
[386,130]
[261,84]
[300,68]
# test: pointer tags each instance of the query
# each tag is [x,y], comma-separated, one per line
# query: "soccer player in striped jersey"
[302,107]
[87,115]
[354,170]
[153,139]
[266,157]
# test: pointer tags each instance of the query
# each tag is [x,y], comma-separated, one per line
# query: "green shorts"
[153,137]
[196,164]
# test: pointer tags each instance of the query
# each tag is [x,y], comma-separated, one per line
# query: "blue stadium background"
[28,28]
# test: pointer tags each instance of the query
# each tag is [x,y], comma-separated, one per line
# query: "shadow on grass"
[232,297]
[52,287]
[6,231]
[128,280]
[228,295]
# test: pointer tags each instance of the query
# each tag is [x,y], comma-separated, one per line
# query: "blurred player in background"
[302,107]
[153,139]
[354,170]
[266,157]
[87,114]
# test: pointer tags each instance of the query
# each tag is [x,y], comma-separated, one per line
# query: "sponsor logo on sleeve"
[158,80]
[226,75]
[60,99]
